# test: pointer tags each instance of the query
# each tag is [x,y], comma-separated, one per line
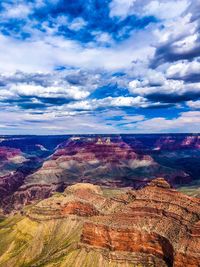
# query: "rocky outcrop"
[178,142]
[116,161]
[104,161]
[79,208]
[130,240]
[9,183]
[89,225]
[159,221]
[10,160]
[8,153]
[26,195]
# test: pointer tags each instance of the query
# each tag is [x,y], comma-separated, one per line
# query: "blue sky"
[113,66]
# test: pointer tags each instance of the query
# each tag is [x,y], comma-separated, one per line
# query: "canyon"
[91,225]
[33,168]
[100,201]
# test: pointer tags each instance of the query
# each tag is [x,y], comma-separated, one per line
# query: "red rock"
[80,209]
[158,221]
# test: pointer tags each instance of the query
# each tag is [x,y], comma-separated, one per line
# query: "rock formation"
[36,167]
[89,225]
[101,161]
[159,221]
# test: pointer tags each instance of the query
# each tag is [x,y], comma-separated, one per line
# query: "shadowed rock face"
[103,161]
[119,161]
[11,179]
[159,221]
[172,143]
[130,240]
[154,226]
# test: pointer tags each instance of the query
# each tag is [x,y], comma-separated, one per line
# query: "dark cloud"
[168,53]
[178,47]
[169,99]
[42,79]
[190,78]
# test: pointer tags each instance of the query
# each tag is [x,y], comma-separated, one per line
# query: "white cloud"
[67,91]
[51,51]
[121,8]
[120,101]
[165,9]
[161,9]
[183,69]
[77,24]
[19,10]
[186,44]
[176,29]
[194,104]
[103,38]
[185,122]
[169,87]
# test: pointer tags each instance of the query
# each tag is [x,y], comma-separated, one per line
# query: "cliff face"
[160,221]
[116,161]
[172,143]
[129,240]
[103,161]
[10,160]
[90,225]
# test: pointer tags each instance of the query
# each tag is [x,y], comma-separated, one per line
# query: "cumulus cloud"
[109,102]
[91,60]
[165,90]
[33,89]
[179,38]
[71,92]
[188,71]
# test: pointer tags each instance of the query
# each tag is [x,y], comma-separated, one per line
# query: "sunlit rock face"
[172,143]
[38,166]
[105,161]
[89,224]
[159,221]
[10,160]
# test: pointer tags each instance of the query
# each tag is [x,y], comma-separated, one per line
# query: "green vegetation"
[43,239]
[193,191]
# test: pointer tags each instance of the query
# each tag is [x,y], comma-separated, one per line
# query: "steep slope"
[91,226]
[103,161]
[116,161]
[14,167]
[11,160]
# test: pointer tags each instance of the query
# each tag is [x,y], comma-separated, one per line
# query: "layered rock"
[178,142]
[108,161]
[159,221]
[7,153]
[103,161]
[89,225]
[10,160]
[10,183]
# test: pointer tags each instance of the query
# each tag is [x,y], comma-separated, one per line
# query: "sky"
[99,66]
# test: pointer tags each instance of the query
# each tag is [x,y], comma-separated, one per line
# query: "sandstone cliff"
[95,226]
